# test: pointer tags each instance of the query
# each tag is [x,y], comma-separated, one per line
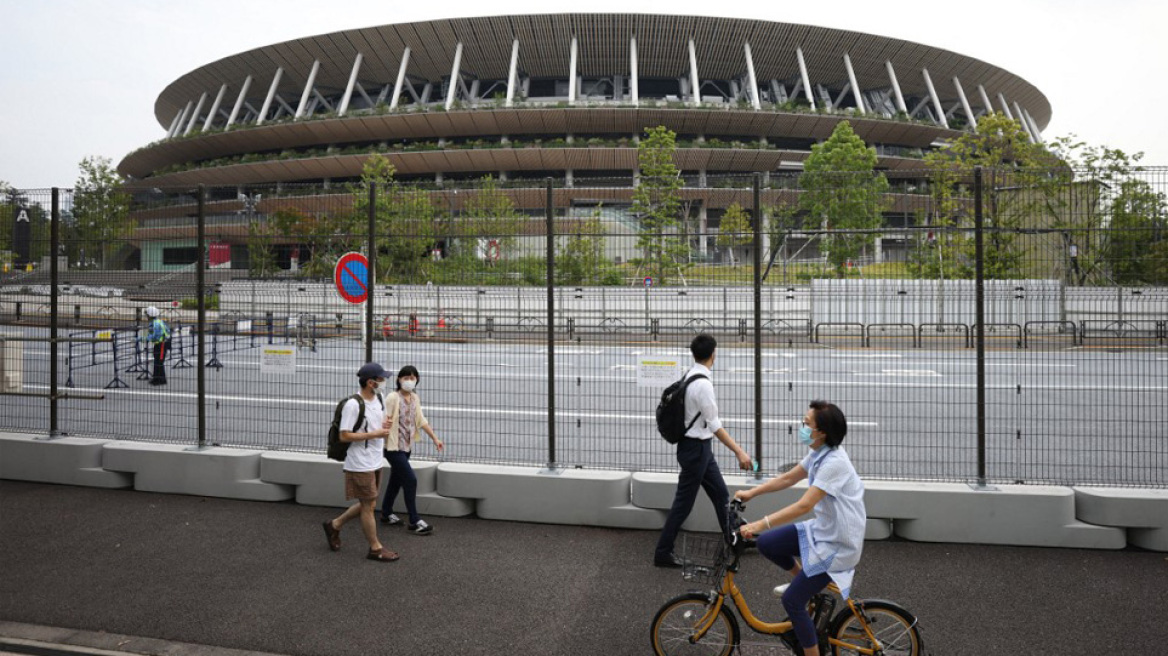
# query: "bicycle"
[700,622]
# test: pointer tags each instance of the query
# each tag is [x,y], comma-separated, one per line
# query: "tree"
[656,202]
[843,191]
[580,252]
[1134,241]
[1093,183]
[404,220]
[1017,183]
[261,256]
[325,237]
[101,212]
[734,230]
[490,214]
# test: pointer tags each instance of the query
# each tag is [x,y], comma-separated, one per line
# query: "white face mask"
[409,385]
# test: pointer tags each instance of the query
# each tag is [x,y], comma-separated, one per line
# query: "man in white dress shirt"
[694,453]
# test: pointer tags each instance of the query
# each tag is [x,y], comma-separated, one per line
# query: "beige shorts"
[362,485]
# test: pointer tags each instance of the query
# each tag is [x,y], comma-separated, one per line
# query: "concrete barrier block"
[429,501]
[1026,515]
[1143,513]
[526,494]
[64,460]
[321,482]
[177,469]
[318,481]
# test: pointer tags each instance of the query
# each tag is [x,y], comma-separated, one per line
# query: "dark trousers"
[781,546]
[401,479]
[159,377]
[698,469]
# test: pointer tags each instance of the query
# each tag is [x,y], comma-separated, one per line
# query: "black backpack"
[671,410]
[337,450]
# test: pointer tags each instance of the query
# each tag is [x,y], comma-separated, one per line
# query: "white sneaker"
[421,528]
[780,589]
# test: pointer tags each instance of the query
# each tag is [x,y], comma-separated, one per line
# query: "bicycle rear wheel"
[893,626]
[673,626]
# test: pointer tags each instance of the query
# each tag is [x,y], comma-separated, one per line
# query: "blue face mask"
[805,435]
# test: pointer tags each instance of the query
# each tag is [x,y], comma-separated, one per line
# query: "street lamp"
[250,202]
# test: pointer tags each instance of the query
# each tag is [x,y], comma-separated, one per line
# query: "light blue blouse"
[833,540]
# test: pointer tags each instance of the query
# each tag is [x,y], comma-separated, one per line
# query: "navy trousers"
[401,479]
[698,470]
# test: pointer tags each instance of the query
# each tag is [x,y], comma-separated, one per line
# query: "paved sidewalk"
[259,577]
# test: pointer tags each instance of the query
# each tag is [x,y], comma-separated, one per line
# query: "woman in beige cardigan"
[404,418]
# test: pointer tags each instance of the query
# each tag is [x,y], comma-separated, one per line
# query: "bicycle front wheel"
[674,625]
[894,627]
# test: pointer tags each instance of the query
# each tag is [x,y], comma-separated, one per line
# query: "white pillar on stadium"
[750,77]
[572,72]
[239,102]
[693,75]
[633,77]
[1005,107]
[1033,126]
[806,78]
[344,107]
[271,94]
[195,114]
[985,99]
[936,100]
[174,123]
[454,76]
[183,119]
[214,108]
[965,103]
[512,73]
[401,78]
[855,85]
[307,89]
[1021,118]
[895,87]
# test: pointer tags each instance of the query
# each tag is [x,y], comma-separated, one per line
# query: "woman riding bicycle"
[829,545]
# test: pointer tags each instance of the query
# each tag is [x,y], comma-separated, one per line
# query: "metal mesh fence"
[538,348]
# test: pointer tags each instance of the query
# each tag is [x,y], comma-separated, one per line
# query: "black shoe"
[671,561]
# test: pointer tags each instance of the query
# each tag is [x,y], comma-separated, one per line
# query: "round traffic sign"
[352,277]
[648,281]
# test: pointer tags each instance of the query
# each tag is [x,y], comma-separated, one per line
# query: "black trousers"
[698,470]
[159,377]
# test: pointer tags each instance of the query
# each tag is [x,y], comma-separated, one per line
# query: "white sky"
[80,78]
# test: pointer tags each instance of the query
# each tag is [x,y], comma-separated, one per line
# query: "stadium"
[562,96]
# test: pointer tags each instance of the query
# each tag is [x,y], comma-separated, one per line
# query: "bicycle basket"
[704,558]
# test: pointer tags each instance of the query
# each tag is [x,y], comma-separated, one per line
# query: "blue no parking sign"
[352,277]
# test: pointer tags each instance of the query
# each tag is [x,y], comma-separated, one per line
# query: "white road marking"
[431,409]
[848,356]
[900,372]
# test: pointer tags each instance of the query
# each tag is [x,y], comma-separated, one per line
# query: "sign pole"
[371,278]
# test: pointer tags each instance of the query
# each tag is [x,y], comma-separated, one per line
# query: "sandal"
[333,535]
[383,555]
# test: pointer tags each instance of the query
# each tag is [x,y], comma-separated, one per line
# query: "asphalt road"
[259,576]
[1062,416]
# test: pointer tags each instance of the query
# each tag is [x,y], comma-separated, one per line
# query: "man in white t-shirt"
[363,461]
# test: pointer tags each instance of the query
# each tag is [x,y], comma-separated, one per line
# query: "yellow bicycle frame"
[771,628]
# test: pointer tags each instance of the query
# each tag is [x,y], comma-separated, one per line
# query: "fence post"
[758,323]
[54,291]
[201,295]
[979,313]
[551,326]
[371,249]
